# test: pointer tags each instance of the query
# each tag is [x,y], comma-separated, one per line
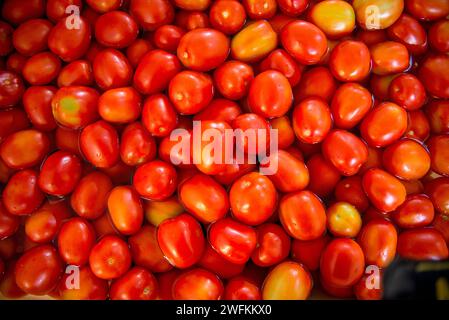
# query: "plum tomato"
[108,77]
[197,284]
[437,113]
[350,190]
[165,37]
[336,18]
[137,146]
[416,211]
[428,9]
[155,180]
[389,57]
[125,209]
[37,104]
[406,90]
[76,73]
[158,115]
[273,245]
[90,286]
[433,77]
[219,110]
[227,16]
[214,262]
[31,37]
[307,86]
[281,61]
[151,14]
[387,11]
[11,89]
[241,288]
[120,105]
[422,244]
[116,29]
[232,79]
[343,220]
[308,253]
[323,175]
[136,284]
[410,33]
[9,223]
[350,61]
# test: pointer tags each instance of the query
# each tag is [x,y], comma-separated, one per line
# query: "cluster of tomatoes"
[93,206]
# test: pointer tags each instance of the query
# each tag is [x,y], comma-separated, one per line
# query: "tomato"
[227,16]
[304,41]
[159,116]
[438,147]
[287,281]
[104,5]
[232,79]
[219,110]
[70,44]
[428,9]
[410,33]
[191,20]
[11,89]
[100,144]
[307,86]
[370,37]
[151,14]
[121,105]
[197,284]
[385,192]
[380,85]
[336,18]
[254,42]
[116,29]
[384,125]
[253,198]
[8,286]
[389,57]
[387,11]
[60,173]
[281,61]
[38,270]
[108,77]
[422,244]
[31,37]
[158,211]
[89,198]
[306,224]
[258,127]
[369,287]
[21,195]
[308,253]
[136,284]
[75,240]
[75,107]
[6,35]
[432,76]
[438,191]
[286,134]
[9,224]
[145,250]
[167,37]
[312,120]
[137,50]
[437,113]
[342,263]
[181,240]
[232,240]
[137,146]
[438,36]
[24,149]
[416,211]
[103,226]
[323,175]
[76,73]
[110,258]
[37,104]
[241,288]
[355,68]
[18,12]
[406,90]
[214,262]
[343,220]
[273,245]
[418,126]
[125,209]
[350,190]
[155,180]
[90,287]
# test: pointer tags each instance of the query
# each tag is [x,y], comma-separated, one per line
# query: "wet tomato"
[232,79]
[410,33]
[137,146]
[166,38]
[76,73]
[197,284]
[241,288]
[121,105]
[151,14]
[227,16]
[307,86]
[18,12]
[155,180]
[422,244]
[416,211]
[125,209]
[137,284]
[273,245]
[31,37]
[158,115]
[116,29]
[323,175]
[350,61]
[406,90]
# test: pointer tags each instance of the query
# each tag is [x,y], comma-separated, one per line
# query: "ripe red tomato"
[438,36]
[438,191]
[416,211]
[121,105]
[104,5]
[389,57]
[159,116]
[241,288]
[273,245]
[257,9]
[307,86]
[439,155]
[136,284]
[350,190]
[418,126]
[155,180]
[357,68]
[227,16]
[9,224]
[219,110]
[422,244]
[281,61]
[366,288]
[110,258]
[38,270]
[214,262]
[111,69]
[75,240]
[323,175]
[116,29]
[150,14]
[137,146]
[90,287]
[309,252]
[406,90]
[37,104]
[167,37]
[125,209]
[438,116]
[197,284]
[232,79]
[410,33]
[19,12]
[11,89]
[31,37]
[428,10]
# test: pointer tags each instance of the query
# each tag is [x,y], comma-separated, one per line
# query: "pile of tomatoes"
[94,207]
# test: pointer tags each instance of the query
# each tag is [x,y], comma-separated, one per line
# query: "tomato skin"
[125,209]
[323,175]
[155,180]
[31,37]
[287,281]
[75,107]
[75,240]
[350,190]
[145,250]
[293,7]
[37,104]
[19,12]
[389,57]
[110,258]
[438,146]
[417,211]
[219,110]
[389,12]
[254,42]
[438,37]
[307,86]
[76,73]
[308,253]
[108,77]
[100,144]
[152,14]
[137,50]
[306,224]
[384,125]
[438,191]
[273,245]
[181,240]
[253,199]
[69,44]
[441,223]
[432,76]
[343,220]
[167,37]
[89,198]
[191,20]
[155,71]
[116,29]
[232,79]
[228,16]
[159,116]
[410,33]
[120,105]
[406,90]
[354,69]
[24,149]
[91,287]
[385,192]
[281,61]
[342,263]
[428,10]
[345,151]
[418,126]
[259,126]
[136,284]
[286,134]
[304,41]
[197,284]
[6,32]
[137,146]
[364,289]
[38,270]
[9,223]
[204,198]
[21,195]
[60,173]
[438,116]
[214,262]
[422,244]
[312,120]
[321,15]
[11,88]
[232,240]
[241,288]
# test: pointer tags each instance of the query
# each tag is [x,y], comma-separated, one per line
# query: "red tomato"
[6,34]
[90,287]
[121,105]
[389,57]
[241,288]
[438,191]
[293,7]
[100,144]
[181,240]
[410,33]
[227,16]
[31,37]
[433,76]
[232,79]
[136,284]
[286,134]
[385,192]
[437,113]
[422,244]
[38,270]
[155,180]
[9,224]
[369,287]
[75,240]
[416,211]
[21,195]
[307,86]
[146,251]
[309,252]
[388,12]
[159,116]
[219,110]
[214,262]
[428,9]
[18,12]
[350,190]
[312,120]
[253,199]
[354,69]
[104,5]
[137,146]
[260,9]
[89,198]
[232,240]
[323,176]
[191,20]
[111,69]
[116,29]
[197,284]
[125,209]
[60,173]
[418,126]
[406,90]
[439,154]
[8,286]
[167,37]
[273,245]
[11,89]
[281,61]
[259,127]
[56,8]
[438,36]
[137,50]
[110,258]
[37,104]
[306,224]
[342,263]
